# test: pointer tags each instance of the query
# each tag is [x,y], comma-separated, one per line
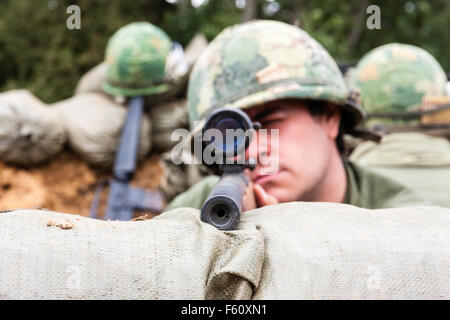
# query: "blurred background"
[38,52]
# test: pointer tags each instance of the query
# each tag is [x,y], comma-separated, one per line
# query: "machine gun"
[124,199]
[223,206]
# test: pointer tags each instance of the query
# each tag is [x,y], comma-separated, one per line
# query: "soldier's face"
[305,149]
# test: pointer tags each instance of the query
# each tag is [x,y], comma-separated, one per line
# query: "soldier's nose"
[251,151]
[258,147]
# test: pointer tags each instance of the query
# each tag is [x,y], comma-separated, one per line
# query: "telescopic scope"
[223,206]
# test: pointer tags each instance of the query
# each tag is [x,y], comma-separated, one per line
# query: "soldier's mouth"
[263,178]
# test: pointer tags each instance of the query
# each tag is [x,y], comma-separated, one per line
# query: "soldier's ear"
[331,121]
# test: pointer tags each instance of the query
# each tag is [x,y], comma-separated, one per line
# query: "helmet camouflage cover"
[260,61]
[136,57]
[395,77]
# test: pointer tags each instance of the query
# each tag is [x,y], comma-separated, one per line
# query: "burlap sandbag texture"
[92,80]
[167,117]
[60,256]
[30,132]
[288,251]
[179,176]
[94,122]
[420,161]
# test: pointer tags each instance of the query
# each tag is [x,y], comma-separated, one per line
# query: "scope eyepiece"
[233,125]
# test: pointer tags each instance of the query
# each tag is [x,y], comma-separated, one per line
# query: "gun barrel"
[223,206]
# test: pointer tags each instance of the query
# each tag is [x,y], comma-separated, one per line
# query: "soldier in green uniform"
[286,80]
[403,91]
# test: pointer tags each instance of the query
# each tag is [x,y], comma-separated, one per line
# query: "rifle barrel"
[223,206]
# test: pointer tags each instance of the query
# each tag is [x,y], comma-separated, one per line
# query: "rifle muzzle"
[223,206]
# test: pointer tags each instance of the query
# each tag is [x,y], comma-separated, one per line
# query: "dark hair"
[323,108]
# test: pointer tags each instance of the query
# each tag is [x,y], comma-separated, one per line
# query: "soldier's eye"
[272,120]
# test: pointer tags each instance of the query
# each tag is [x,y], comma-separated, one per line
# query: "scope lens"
[235,137]
[231,125]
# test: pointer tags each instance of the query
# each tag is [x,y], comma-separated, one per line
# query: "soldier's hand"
[262,197]
[249,201]
[255,197]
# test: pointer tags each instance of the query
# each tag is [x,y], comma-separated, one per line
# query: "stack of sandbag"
[174,177]
[288,251]
[420,161]
[166,118]
[180,172]
[30,132]
[92,80]
[94,123]
[167,112]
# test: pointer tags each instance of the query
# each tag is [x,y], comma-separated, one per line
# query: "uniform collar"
[352,190]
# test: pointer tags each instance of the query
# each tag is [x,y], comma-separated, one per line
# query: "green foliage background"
[38,52]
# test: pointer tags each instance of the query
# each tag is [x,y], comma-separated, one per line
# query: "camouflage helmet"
[261,61]
[395,77]
[136,57]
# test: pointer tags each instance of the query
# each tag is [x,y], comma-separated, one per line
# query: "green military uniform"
[420,161]
[371,190]
[365,189]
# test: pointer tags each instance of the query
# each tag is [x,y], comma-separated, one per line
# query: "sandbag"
[94,123]
[420,161]
[92,80]
[169,257]
[174,178]
[30,133]
[337,251]
[177,178]
[289,251]
[167,117]
[195,48]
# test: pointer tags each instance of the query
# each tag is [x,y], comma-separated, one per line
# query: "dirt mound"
[66,184]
